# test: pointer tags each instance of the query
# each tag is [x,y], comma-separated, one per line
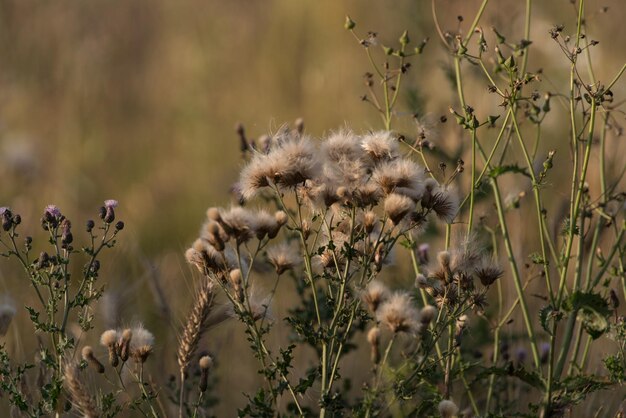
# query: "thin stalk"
[576,209]
[516,276]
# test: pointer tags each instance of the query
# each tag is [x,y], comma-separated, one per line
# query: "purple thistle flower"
[110,203]
[107,213]
[4,209]
[52,211]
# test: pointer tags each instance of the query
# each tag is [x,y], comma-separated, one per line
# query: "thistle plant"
[369,279]
[67,292]
[329,216]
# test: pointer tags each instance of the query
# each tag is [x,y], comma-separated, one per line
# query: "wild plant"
[382,256]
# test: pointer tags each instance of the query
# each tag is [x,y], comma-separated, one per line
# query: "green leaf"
[594,311]
[503,169]
[544,316]
[528,376]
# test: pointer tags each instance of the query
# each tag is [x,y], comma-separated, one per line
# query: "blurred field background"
[137,100]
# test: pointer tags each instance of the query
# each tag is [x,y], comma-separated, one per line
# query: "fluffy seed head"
[299,162]
[369,221]
[256,175]
[399,313]
[373,336]
[205,362]
[239,222]
[89,357]
[281,217]
[444,259]
[283,257]
[421,281]
[87,352]
[213,214]
[488,273]
[235,281]
[127,335]
[341,146]
[448,409]
[427,314]
[380,146]
[442,201]
[141,344]
[375,294]
[400,173]
[397,207]
[266,225]
[367,195]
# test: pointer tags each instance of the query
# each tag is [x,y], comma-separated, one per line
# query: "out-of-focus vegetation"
[137,100]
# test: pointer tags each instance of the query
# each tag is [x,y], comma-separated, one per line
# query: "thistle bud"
[124,346]
[235,281]
[109,340]
[427,314]
[349,23]
[213,214]
[205,364]
[7,222]
[90,358]
[448,409]
[373,338]
[404,39]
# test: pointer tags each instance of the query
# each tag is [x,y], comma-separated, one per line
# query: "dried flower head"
[399,313]
[124,344]
[239,223]
[380,146]
[281,217]
[205,364]
[367,195]
[341,147]
[256,175]
[289,163]
[399,173]
[375,294]
[206,257]
[266,225]
[369,221]
[397,207]
[442,201]
[488,272]
[109,340]
[235,279]
[141,344]
[427,314]
[284,256]
[213,214]
[89,357]
[448,409]
[373,338]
